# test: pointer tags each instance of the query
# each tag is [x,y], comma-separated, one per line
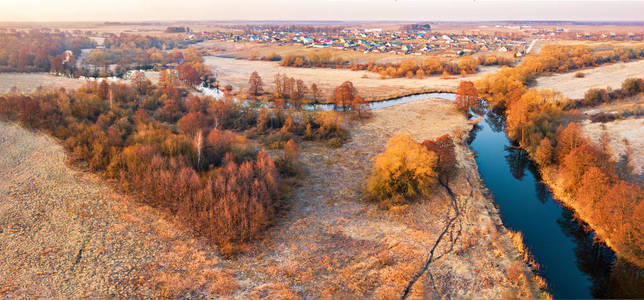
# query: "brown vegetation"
[37,51]
[466,96]
[221,185]
[332,244]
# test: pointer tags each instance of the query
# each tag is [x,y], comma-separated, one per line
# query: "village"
[411,40]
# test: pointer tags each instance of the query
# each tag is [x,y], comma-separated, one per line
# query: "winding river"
[573,264]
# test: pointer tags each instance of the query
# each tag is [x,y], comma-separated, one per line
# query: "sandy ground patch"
[65,234]
[237,72]
[629,129]
[600,77]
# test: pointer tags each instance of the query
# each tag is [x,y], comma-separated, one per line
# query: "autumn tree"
[287,163]
[140,82]
[193,122]
[544,152]
[404,171]
[344,94]
[568,139]
[279,86]
[103,89]
[359,106]
[300,89]
[255,84]
[576,163]
[443,147]
[167,78]
[468,65]
[316,93]
[189,74]
[466,96]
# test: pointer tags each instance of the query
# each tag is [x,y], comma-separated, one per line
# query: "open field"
[600,77]
[68,234]
[246,49]
[237,72]
[631,129]
[29,82]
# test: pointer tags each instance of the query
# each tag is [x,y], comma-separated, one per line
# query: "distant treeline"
[410,68]
[36,51]
[127,52]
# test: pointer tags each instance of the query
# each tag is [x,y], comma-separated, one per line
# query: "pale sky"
[402,10]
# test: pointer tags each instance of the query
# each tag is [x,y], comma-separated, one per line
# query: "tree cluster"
[321,59]
[508,84]
[172,150]
[36,51]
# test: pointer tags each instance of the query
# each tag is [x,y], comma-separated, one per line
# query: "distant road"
[531,46]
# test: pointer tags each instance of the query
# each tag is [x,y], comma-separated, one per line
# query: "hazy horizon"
[326,10]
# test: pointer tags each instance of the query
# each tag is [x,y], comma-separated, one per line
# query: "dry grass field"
[600,77]
[245,49]
[29,82]
[631,129]
[68,234]
[237,72]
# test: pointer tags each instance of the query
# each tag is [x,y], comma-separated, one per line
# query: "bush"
[334,143]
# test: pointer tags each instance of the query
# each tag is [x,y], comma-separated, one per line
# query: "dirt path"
[438,240]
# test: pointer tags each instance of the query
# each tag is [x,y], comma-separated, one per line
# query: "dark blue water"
[573,265]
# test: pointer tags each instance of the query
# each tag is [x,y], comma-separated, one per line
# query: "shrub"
[287,163]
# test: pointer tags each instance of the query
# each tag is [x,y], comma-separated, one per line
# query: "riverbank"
[333,244]
[552,178]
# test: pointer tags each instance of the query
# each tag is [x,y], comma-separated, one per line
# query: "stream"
[573,265]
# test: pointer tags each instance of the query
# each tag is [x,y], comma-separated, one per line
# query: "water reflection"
[573,263]
[517,161]
[542,191]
